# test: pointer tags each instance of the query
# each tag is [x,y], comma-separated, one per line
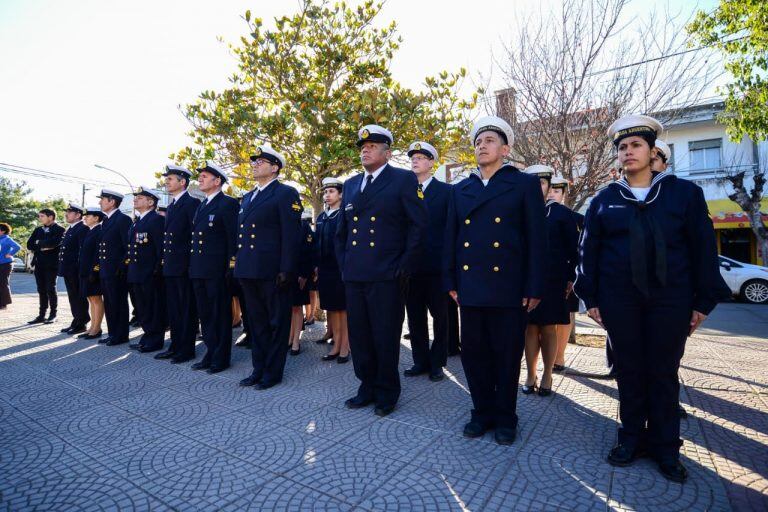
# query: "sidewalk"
[89,427]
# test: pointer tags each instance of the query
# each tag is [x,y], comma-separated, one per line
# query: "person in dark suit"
[557,192]
[88,271]
[494,270]
[145,271]
[305,269]
[560,263]
[380,234]
[267,264]
[112,266]
[181,307]
[329,284]
[425,291]
[44,242]
[212,251]
[649,275]
[69,254]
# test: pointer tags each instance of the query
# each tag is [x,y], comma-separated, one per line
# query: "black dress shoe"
[238,324]
[342,359]
[133,322]
[385,410]
[311,322]
[414,370]
[216,369]
[250,380]
[134,346]
[181,359]
[200,365]
[681,413]
[112,342]
[166,354]
[329,357]
[92,336]
[37,320]
[558,367]
[77,330]
[266,385]
[527,390]
[84,335]
[324,340]
[621,455]
[673,471]
[144,349]
[66,329]
[296,352]
[51,318]
[105,340]
[407,336]
[437,376]
[357,403]
[505,435]
[545,391]
[474,429]
[245,342]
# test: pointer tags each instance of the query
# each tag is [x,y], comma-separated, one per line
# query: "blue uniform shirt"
[495,240]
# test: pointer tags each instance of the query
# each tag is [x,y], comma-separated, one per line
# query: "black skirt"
[573,303]
[301,297]
[553,308]
[89,289]
[332,293]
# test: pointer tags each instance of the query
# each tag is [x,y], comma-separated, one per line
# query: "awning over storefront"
[728,215]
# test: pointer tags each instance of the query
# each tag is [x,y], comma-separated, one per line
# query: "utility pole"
[82,200]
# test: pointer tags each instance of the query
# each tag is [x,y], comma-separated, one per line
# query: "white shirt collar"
[142,215]
[261,189]
[209,198]
[75,223]
[426,183]
[375,175]
[178,196]
[110,214]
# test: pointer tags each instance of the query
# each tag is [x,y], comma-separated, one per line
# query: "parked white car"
[18,265]
[746,281]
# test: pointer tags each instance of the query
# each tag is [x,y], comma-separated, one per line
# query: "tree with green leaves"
[18,209]
[739,29]
[308,85]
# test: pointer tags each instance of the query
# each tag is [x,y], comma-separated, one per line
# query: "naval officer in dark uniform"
[69,255]
[560,264]
[113,249]
[425,292]
[88,271]
[145,273]
[212,252]
[180,299]
[380,234]
[649,274]
[266,265]
[44,242]
[495,247]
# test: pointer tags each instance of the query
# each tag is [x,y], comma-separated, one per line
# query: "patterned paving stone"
[278,407]
[332,422]
[222,392]
[285,495]
[392,438]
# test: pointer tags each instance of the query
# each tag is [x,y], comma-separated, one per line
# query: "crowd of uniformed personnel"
[497,246]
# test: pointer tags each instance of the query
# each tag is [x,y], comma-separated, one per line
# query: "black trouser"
[492,343]
[182,315]
[46,289]
[648,340]
[425,293]
[150,311]
[269,317]
[214,307]
[115,291]
[454,344]
[5,286]
[77,303]
[375,313]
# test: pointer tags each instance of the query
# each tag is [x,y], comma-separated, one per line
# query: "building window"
[705,154]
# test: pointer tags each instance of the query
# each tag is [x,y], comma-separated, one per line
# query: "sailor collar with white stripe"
[657,179]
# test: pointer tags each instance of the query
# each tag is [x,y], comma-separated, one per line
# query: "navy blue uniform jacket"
[177,236]
[145,247]
[495,240]
[325,245]
[113,247]
[69,252]
[381,231]
[214,230]
[89,261]
[436,197]
[679,208]
[269,232]
[562,243]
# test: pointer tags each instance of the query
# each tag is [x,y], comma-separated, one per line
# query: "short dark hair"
[48,212]
[117,201]
[5,228]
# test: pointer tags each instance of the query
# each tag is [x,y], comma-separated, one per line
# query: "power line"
[40,173]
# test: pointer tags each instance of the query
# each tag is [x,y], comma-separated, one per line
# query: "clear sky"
[100,81]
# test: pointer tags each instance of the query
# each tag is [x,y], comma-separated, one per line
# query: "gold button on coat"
[372,244]
[495,269]
[354,242]
[495,244]
[466,244]
[466,267]
[497,219]
[466,221]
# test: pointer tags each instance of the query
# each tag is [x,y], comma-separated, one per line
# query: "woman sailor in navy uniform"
[649,274]
[557,192]
[301,291]
[329,283]
[88,271]
[562,241]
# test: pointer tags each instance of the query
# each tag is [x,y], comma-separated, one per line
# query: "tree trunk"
[750,203]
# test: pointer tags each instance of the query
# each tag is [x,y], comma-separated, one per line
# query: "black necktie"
[205,202]
[172,201]
[368,181]
[421,188]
